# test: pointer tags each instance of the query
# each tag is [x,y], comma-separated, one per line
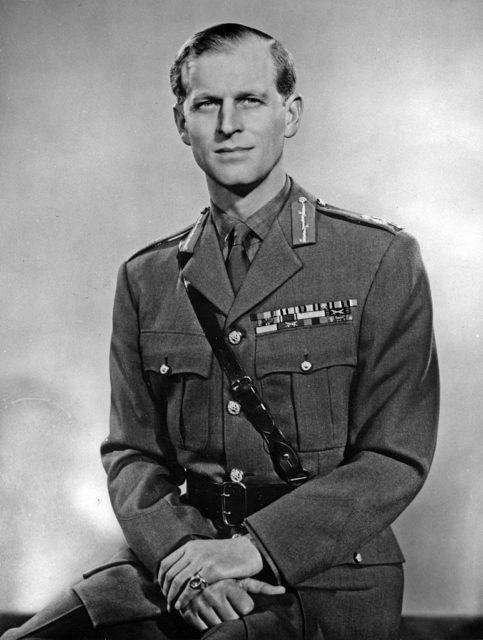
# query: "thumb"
[251,585]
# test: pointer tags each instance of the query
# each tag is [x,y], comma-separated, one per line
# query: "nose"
[229,120]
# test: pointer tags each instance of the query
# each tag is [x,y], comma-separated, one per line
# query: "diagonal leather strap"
[285,458]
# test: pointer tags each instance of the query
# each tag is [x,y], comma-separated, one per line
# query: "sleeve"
[392,429]
[142,473]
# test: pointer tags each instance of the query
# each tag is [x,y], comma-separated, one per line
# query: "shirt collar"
[259,222]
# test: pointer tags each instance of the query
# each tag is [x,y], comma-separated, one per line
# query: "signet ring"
[197,582]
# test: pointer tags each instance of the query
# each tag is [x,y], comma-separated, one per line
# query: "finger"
[207,614]
[217,600]
[178,584]
[167,563]
[186,596]
[193,620]
[241,602]
[225,610]
[253,586]
[172,572]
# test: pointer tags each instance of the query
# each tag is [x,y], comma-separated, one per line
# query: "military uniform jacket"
[337,335]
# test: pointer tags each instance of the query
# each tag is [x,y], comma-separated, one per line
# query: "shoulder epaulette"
[358,218]
[175,237]
[187,244]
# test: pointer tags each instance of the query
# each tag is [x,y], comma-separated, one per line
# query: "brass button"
[306,366]
[164,369]
[233,407]
[357,558]
[235,336]
[236,475]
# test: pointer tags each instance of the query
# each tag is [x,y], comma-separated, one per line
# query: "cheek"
[198,144]
[273,134]
[200,132]
[274,142]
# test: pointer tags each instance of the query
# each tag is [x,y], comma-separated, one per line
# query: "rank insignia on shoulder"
[304,230]
[359,218]
[187,244]
[382,223]
[163,242]
[304,315]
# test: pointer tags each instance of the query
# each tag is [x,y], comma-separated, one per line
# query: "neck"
[243,202]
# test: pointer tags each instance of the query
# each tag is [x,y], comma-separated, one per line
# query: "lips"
[228,150]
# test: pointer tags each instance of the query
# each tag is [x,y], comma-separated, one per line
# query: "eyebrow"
[259,94]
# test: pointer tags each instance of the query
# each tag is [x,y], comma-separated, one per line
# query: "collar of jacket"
[202,265]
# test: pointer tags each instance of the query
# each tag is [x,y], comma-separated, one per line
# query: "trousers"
[67,619]
[366,607]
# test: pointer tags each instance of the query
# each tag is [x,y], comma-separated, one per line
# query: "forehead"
[241,66]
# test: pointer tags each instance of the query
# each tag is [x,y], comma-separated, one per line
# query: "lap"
[353,603]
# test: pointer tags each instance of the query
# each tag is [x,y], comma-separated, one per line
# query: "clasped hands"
[226,566]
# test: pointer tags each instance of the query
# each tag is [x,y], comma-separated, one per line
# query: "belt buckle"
[233,503]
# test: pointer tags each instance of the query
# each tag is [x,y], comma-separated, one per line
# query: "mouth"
[232,150]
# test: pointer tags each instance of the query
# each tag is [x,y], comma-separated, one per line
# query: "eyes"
[211,104]
[205,105]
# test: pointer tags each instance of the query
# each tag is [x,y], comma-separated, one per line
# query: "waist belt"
[229,503]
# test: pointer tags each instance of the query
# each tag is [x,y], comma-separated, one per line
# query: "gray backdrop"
[92,169]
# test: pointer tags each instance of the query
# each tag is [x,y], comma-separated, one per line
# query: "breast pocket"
[305,375]
[177,367]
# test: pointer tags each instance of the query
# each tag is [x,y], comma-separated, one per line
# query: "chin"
[238,180]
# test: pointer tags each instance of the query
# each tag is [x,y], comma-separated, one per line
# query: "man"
[284,533]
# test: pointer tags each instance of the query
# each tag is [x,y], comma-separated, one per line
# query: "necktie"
[237,262]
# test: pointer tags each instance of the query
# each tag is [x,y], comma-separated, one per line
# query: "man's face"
[233,117]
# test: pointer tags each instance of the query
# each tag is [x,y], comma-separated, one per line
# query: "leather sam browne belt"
[227,504]
[284,456]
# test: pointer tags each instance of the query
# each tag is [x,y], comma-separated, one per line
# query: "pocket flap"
[306,349]
[182,352]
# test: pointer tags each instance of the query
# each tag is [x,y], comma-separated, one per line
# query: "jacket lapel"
[273,265]
[206,271]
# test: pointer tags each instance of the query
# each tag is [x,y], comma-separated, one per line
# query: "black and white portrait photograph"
[242,299]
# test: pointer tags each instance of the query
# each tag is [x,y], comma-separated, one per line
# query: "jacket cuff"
[270,572]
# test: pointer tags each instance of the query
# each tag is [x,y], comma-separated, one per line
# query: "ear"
[294,106]
[181,123]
